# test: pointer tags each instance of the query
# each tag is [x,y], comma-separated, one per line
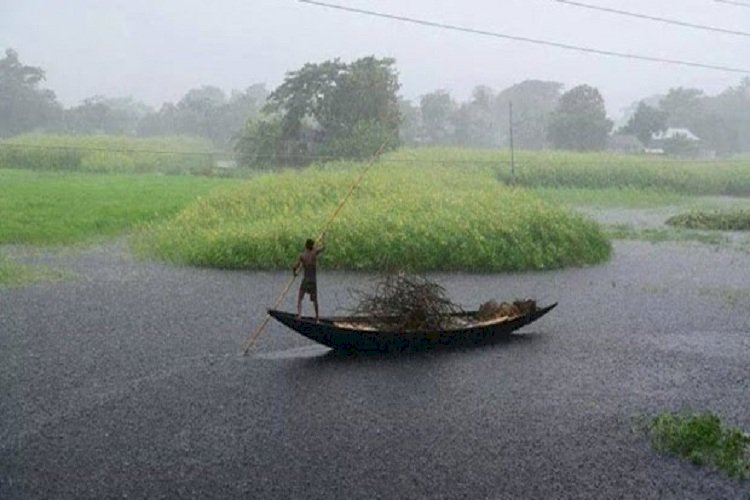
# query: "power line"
[654,18]
[433,24]
[733,2]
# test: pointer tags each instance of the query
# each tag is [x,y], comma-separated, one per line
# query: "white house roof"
[671,133]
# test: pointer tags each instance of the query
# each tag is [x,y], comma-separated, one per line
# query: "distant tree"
[721,122]
[645,122]
[101,115]
[437,110]
[410,129]
[483,121]
[24,106]
[260,144]
[334,108]
[717,129]
[198,112]
[206,112]
[241,107]
[733,106]
[534,101]
[628,111]
[474,122]
[162,122]
[580,121]
[683,106]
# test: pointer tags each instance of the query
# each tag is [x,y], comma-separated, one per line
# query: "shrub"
[738,220]
[702,439]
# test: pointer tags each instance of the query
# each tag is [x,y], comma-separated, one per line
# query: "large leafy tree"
[580,121]
[645,122]
[337,108]
[24,106]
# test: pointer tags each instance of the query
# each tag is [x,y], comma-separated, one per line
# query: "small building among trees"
[680,141]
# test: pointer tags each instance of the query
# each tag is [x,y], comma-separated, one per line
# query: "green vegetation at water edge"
[14,274]
[44,208]
[703,439]
[559,169]
[737,220]
[610,197]
[404,215]
[108,154]
[658,235]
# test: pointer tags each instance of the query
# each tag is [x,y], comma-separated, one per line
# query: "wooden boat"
[351,333]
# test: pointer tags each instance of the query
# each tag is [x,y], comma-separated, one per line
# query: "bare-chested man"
[308,261]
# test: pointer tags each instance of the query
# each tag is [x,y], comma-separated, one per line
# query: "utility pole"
[512,155]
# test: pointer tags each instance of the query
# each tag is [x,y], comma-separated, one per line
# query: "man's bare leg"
[300,295]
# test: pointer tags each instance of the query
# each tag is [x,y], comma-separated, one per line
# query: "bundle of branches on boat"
[407,302]
[403,301]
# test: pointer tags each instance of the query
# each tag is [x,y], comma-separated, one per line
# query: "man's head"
[309,244]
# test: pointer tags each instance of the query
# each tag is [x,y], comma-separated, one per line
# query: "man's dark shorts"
[310,287]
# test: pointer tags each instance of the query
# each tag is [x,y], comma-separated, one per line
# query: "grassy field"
[406,215]
[433,208]
[556,169]
[46,208]
[108,154]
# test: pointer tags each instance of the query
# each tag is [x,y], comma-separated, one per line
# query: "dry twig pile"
[405,302]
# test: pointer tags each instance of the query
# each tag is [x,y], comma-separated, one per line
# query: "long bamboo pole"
[251,341]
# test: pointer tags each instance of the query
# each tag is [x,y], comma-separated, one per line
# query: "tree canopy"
[206,112]
[645,122]
[327,109]
[437,110]
[24,105]
[580,120]
[534,101]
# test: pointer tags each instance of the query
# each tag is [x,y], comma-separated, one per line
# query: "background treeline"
[206,112]
[546,117]
[346,110]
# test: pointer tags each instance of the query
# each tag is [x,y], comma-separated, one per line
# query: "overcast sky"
[156,50]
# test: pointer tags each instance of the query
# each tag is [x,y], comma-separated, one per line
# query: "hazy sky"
[156,50]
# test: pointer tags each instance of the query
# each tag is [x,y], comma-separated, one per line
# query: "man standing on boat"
[308,260]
